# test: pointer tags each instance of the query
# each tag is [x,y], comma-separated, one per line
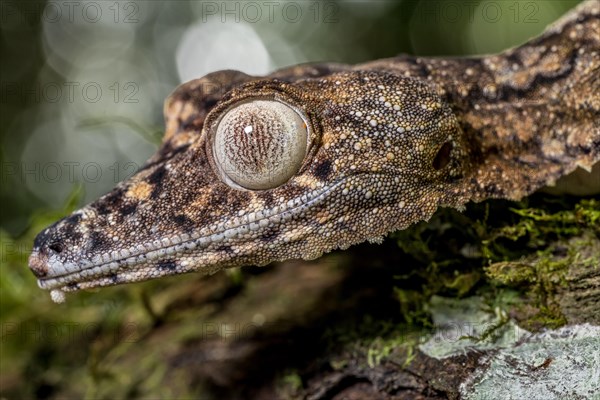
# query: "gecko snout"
[40,256]
[53,247]
[38,263]
[45,247]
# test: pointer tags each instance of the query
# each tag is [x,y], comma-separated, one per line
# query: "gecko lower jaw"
[139,263]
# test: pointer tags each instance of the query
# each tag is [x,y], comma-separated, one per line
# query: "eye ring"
[259,143]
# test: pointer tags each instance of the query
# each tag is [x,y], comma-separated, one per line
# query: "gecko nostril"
[442,158]
[56,247]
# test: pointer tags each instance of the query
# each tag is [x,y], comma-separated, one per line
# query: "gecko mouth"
[152,260]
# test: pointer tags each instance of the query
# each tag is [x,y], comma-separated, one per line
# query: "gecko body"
[317,157]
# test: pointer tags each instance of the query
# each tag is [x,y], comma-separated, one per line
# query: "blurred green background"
[82,84]
[81,91]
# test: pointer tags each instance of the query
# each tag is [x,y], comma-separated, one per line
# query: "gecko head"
[263,170]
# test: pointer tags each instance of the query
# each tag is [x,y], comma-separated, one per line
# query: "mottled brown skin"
[390,142]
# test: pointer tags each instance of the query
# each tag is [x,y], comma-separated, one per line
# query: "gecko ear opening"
[442,158]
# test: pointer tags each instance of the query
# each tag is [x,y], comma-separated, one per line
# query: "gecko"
[316,157]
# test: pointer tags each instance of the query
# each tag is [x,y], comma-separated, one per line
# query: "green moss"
[541,276]
[380,348]
[512,244]
[373,340]
[411,306]
[515,256]
[463,283]
[289,385]
[538,227]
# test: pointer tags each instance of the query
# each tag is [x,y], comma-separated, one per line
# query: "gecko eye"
[260,144]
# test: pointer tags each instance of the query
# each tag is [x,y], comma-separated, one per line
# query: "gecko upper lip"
[61,275]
